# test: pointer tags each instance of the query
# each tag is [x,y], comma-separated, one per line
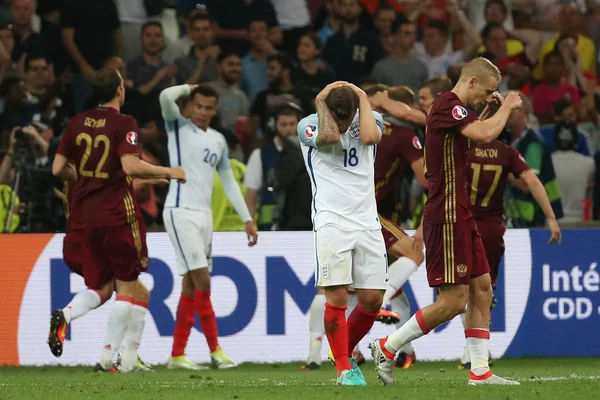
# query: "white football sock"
[316,326]
[478,348]
[398,273]
[409,332]
[133,336]
[115,330]
[82,303]
[401,306]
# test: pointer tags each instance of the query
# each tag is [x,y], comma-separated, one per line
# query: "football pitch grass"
[573,379]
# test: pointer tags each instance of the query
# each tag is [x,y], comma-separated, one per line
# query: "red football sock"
[359,324]
[337,334]
[208,321]
[183,325]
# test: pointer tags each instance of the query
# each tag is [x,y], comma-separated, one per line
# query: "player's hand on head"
[555,233]
[323,94]
[359,92]
[252,234]
[497,98]
[513,100]
[177,173]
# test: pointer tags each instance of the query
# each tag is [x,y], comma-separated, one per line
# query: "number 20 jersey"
[95,141]
[342,177]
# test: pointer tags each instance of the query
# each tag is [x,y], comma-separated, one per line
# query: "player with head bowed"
[456,259]
[188,219]
[339,145]
[103,145]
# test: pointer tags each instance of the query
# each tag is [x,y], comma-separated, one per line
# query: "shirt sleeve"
[253,177]
[130,142]
[517,163]
[307,130]
[451,114]
[379,121]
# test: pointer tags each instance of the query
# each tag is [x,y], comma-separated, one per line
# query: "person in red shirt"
[456,260]
[103,144]
[553,88]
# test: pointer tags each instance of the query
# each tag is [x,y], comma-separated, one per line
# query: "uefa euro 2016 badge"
[459,112]
[132,137]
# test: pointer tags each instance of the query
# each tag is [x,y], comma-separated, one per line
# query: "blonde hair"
[401,93]
[480,68]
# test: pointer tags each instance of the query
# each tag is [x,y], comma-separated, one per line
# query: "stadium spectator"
[181,47]
[574,171]
[553,88]
[564,111]
[200,65]
[149,72]
[311,73]
[132,17]
[353,50]
[384,18]
[281,91]
[523,210]
[90,32]
[294,18]
[26,40]
[233,102]
[7,43]
[259,178]
[516,69]
[233,18]
[49,12]
[17,110]
[401,67]
[482,12]
[254,64]
[570,25]
[433,51]
[330,21]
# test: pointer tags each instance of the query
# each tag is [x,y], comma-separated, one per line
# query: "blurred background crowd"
[268,59]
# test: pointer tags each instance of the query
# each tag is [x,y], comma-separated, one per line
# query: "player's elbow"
[371,139]
[129,164]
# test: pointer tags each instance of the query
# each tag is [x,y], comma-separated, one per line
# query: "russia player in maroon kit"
[456,261]
[103,143]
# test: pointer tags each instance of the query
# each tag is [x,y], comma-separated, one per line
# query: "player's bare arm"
[329,132]
[418,167]
[418,238]
[398,109]
[368,130]
[539,194]
[488,130]
[62,169]
[139,184]
[519,183]
[137,168]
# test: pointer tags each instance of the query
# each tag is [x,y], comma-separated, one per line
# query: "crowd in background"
[268,59]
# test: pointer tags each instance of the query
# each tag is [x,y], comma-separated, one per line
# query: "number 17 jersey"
[342,177]
[95,141]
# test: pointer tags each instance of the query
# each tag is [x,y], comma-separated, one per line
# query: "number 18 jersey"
[95,141]
[342,177]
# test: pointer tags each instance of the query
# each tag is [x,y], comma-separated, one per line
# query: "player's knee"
[371,300]
[142,293]
[106,292]
[418,257]
[454,303]
[337,295]
[201,279]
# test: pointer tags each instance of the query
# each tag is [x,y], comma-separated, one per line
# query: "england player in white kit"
[339,146]
[188,213]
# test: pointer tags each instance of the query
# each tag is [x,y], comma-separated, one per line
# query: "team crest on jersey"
[354,131]
[417,143]
[461,270]
[459,112]
[132,138]
[310,130]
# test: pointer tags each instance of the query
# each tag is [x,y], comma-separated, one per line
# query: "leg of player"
[317,331]
[401,306]
[208,320]
[478,334]
[183,328]
[82,303]
[118,320]
[356,355]
[363,316]
[130,359]
[450,302]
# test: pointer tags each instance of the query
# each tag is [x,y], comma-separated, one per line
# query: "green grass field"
[572,379]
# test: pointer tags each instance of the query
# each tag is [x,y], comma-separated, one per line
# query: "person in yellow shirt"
[570,23]
[495,11]
[225,218]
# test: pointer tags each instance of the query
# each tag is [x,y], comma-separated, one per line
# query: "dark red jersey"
[72,207]
[398,149]
[489,167]
[95,141]
[446,161]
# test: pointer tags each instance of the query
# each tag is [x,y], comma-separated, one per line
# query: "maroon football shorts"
[73,249]
[492,235]
[454,253]
[391,232]
[116,251]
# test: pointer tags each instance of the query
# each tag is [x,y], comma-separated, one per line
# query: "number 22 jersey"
[95,141]
[342,176]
